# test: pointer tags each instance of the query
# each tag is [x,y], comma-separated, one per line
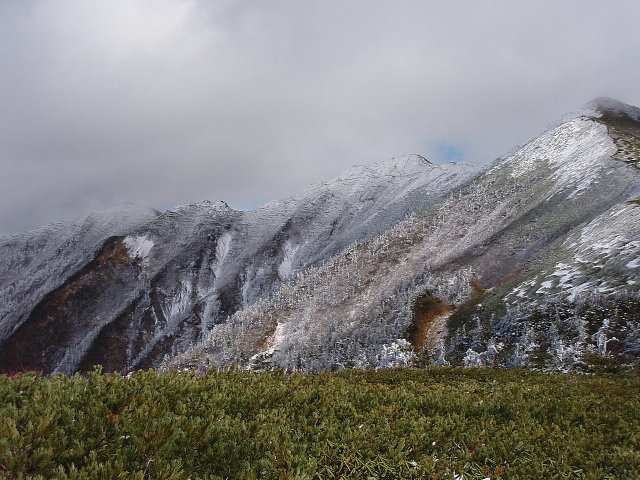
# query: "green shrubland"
[438,423]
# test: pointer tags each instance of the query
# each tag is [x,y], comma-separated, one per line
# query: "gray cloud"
[167,102]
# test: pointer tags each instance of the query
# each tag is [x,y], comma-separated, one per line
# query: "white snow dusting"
[285,269]
[222,250]
[575,149]
[633,263]
[138,247]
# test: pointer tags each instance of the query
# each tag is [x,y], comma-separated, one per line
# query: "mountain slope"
[533,263]
[154,287]
[34,263]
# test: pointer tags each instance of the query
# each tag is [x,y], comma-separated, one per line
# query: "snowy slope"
[533,263]
[154,287]
[36,262]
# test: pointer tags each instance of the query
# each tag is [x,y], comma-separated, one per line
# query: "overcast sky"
[165,102]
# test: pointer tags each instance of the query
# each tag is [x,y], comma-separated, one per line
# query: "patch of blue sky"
[449,152]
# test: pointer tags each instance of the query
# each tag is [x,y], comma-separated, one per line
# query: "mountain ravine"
[531,261]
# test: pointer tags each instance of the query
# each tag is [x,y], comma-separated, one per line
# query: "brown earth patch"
[426,309]
[118,254]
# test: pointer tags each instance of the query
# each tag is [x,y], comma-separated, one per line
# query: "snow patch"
[521,290]
[138,247]
[285,269]
[179,302]
[222,250]
[545,286]
[566,273]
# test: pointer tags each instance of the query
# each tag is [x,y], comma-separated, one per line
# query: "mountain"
[535,263]
[532,261]
[125,288]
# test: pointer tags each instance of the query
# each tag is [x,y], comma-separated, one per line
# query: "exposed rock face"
[125,292]
[533,263]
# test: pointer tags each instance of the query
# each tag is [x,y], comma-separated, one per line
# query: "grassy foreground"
[437,423]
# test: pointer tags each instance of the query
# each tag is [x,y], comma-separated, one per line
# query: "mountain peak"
[419,158]
[611,107]
[409,163]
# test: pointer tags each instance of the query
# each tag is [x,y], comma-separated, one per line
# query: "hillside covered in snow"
[533,263]
[125,288]
[530,261]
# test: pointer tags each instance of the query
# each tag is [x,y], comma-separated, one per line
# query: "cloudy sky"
[164,102]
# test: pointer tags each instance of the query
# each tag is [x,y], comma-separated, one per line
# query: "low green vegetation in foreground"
[439,423]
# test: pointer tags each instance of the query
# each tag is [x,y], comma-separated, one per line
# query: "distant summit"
[611,107]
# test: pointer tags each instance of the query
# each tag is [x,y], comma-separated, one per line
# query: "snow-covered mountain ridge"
[124,294]
[533,263]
